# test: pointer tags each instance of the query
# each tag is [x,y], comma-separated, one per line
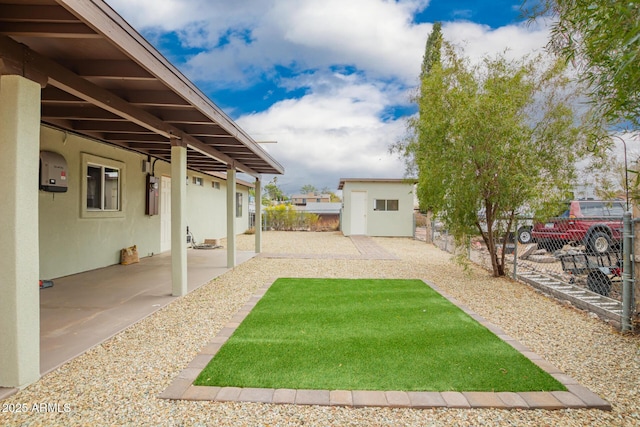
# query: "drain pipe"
[627,274]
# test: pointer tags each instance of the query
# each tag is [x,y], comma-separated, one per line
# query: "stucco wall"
[381,223]
[206,208]
[70,243]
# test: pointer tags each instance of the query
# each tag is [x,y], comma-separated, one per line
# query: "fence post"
[446,241]
[627,281]
[515,252]
[433,231]
[414,224]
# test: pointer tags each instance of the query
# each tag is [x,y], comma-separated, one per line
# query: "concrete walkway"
[577,396]
[365,245]
[86,309]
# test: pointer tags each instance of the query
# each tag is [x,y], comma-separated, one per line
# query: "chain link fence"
[582,256]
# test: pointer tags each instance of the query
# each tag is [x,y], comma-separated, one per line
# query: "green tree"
[410,146]
[490,138]
[602,39]
[308,189]
[272,193]
[333,197]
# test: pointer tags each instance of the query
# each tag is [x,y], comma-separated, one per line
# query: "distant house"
[303,199]
[328,214]
[377,207]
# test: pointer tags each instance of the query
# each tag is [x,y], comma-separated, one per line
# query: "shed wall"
[381,223]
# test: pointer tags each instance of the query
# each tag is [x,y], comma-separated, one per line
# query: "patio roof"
[103,80]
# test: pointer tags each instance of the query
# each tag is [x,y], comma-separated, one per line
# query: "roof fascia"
[104,20]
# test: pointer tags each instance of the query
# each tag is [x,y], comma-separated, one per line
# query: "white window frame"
[239,203]
[385,208]
[102,162]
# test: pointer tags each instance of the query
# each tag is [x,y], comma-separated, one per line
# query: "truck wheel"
[599,243]
[599,283]
[524,235]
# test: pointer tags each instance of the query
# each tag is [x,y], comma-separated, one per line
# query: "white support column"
[231,217]
[179,220]
[19,238]
[258,224]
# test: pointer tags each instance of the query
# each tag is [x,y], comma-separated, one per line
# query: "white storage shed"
[377,207]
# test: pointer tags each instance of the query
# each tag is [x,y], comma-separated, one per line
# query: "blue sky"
[329,80]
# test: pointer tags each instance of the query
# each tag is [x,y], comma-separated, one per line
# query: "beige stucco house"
[304,199]
[104,145]
[377,207]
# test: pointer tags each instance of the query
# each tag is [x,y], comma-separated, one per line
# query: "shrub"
[287,218]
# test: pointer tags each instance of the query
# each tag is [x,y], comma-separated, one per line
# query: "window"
[616,209]
[385,205]
[102,187]
[198,181]
[215,184]
[592,209]
[238,205]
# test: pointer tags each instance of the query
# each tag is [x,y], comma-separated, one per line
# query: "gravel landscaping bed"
[117,383]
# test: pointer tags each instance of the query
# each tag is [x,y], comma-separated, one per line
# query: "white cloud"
[336,129]
[330,134]
[378,37]
[217,16]
[480,40]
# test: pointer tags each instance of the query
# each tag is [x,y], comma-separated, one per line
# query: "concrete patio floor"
[85,309]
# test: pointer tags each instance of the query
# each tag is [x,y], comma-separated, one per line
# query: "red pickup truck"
[596,224]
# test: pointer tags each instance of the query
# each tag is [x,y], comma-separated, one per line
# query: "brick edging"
[576,396]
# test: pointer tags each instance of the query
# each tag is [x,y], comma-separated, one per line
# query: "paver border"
[577,396]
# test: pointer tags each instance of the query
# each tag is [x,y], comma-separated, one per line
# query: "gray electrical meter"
[53,172]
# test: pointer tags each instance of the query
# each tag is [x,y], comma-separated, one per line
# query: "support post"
[178,219]
[19,237]
[258,219]
[231,217]
[627,278]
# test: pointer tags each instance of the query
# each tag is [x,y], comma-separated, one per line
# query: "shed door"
[358,212]
[165,213]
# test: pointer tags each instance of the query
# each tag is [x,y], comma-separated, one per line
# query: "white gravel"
[117,383]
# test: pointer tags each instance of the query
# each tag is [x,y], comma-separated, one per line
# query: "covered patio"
[79,68]
[85,309]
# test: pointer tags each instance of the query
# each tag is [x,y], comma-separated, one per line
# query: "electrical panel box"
[53,172]
[153,185]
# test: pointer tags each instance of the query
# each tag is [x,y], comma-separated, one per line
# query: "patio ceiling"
[102,80]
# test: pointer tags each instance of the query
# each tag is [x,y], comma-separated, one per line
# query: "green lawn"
[345,334]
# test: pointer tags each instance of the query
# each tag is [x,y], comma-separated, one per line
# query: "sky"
[329,80]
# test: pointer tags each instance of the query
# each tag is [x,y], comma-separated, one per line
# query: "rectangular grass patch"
[366,334]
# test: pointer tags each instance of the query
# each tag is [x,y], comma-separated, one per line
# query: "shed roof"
[103,80]
[380,180]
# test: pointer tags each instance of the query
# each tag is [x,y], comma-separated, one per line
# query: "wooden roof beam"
[38,13]
[64,79]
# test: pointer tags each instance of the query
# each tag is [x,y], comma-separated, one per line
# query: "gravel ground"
[117,382]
